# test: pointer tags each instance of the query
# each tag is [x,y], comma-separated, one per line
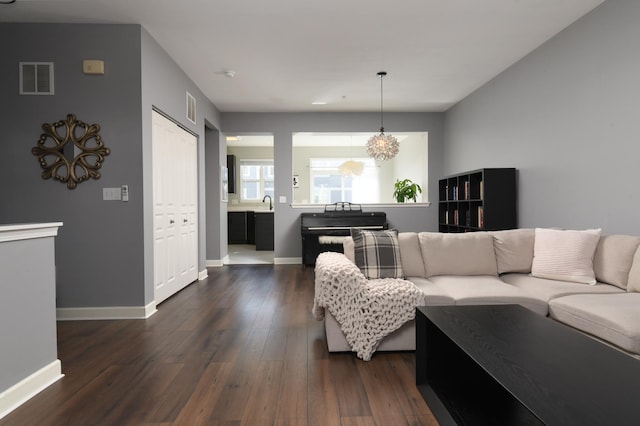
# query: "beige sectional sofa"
[503,267]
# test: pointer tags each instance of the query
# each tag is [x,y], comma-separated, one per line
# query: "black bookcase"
[479,200]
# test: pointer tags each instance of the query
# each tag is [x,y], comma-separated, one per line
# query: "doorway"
[250,208]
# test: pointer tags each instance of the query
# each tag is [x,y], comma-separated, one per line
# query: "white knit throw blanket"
[367,310]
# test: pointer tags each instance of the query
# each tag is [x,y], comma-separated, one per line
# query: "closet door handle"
[184,221]
[171,222]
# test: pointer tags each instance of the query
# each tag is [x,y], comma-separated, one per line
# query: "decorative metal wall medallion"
[70,151]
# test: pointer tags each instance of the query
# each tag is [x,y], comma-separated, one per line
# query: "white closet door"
[175,207]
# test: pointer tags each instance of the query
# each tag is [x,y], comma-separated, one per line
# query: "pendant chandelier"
[351,168]
[382,147]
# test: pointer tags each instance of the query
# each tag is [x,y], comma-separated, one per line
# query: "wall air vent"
[191,108]
[36,78]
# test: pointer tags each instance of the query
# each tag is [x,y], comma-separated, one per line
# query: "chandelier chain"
[381,74]
[382,147]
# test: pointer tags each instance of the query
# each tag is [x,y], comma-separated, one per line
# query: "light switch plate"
[112,194]
[283,199]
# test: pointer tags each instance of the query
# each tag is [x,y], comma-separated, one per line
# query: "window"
[256,179]
[319,182]
[328,185]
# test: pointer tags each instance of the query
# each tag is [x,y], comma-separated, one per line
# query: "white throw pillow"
[565,255]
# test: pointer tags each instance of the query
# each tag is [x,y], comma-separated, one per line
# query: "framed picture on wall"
[224,183]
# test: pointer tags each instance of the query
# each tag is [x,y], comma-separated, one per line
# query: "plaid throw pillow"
[377,253]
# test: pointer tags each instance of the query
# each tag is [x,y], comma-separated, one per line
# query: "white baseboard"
[202,275]
[215,263]
[28,387]
[106,313]
[287,260]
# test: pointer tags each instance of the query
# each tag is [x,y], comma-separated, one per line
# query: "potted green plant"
[406,190]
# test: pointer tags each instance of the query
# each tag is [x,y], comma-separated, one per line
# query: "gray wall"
[99,249]
[568,117]
[283,125]
[102,257]
[216,210]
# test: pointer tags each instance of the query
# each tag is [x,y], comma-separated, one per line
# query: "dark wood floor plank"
[352,396]
[379,382]
[296,344]
[264,394]
[292,396]
[276,345]
[360,421]
[323,407]
[402,366]
[198,410]
[233,399]
[238,348]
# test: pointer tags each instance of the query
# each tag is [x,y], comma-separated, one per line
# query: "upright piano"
[325,231]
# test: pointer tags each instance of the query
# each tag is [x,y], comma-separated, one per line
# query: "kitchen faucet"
[270,202]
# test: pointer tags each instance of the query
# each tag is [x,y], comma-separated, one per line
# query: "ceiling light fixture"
[382,147]
[351,168]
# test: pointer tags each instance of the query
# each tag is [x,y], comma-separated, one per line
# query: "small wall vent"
[36,78]
[191,108]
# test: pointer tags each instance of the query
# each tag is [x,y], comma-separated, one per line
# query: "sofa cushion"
[633,283]
[348,248]
[377,253]
[565,255]
[514,250]
[487,290]
[611,317]
[471,253]
[613,258]
[412,263]
[545,289]
[433,294]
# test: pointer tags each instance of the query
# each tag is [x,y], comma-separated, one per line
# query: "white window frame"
[262,179]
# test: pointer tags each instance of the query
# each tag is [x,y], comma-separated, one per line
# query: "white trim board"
[216,263]
[29,387]
[28,231]
[287,260]
[202,275]
[106,313]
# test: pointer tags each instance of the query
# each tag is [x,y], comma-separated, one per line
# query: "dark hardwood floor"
[240,347]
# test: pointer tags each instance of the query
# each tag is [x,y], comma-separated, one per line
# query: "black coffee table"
[506,365]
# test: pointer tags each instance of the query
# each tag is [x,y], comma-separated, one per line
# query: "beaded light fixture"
[351,168]
[382,147]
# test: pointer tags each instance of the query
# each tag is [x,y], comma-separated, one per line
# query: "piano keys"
[324,231]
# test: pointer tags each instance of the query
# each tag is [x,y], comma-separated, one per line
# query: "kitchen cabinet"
[264,230]
[237,227]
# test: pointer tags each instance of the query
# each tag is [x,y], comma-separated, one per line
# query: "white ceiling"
[287,54]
